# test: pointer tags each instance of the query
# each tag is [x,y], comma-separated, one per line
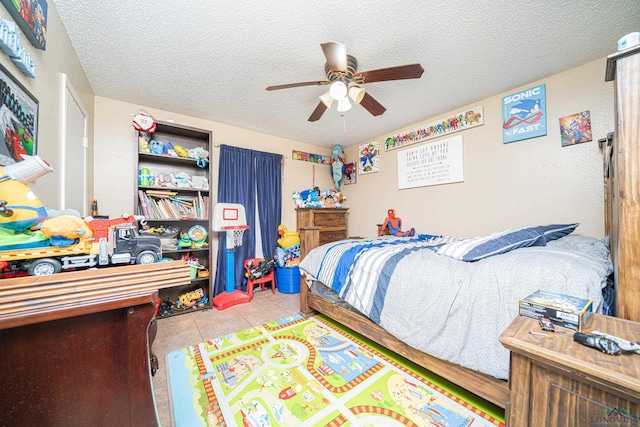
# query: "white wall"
[506,185]
[59,57]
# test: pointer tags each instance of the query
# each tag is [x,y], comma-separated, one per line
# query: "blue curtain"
[241,174]
[269,186]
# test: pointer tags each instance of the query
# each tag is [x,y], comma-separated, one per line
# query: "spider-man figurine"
[395,226]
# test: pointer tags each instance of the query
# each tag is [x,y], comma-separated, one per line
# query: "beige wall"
[505,185]
[60,57]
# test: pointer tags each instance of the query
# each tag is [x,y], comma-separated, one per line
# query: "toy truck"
[103,242]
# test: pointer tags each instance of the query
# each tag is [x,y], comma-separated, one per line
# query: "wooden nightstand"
[557,382]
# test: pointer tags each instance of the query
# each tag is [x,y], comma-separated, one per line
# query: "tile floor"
[191,328]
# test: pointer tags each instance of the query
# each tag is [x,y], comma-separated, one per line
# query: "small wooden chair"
[262,281]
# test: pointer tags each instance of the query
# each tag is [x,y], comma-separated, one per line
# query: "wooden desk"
[75,347]
[557,382]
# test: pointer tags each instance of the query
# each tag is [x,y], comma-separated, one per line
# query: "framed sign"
[31,17]
[18,119]
[439,162]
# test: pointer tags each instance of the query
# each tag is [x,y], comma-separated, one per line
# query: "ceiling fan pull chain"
[344,123]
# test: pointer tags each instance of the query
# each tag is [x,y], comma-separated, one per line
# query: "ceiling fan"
[345,80]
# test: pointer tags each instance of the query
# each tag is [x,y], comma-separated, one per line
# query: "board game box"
[563,310]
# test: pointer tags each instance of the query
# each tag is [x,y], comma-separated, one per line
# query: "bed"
[442,302]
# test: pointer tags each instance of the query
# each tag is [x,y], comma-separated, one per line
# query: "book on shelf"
[155,204]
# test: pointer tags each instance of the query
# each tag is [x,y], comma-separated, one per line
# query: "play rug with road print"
[309,372]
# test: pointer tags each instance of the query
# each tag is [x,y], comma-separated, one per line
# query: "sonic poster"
[524,114]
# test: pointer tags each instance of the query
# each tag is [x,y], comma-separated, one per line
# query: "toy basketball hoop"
[230,218]
[234,235]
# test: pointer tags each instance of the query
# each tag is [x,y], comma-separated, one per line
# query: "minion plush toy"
[20,208]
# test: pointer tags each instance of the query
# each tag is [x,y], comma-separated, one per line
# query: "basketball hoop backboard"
[228,215]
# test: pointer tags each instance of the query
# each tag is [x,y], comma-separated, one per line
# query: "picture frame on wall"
[350,173]
[524,114]
[369,158]
[18,119]
[31,17]
[575,129]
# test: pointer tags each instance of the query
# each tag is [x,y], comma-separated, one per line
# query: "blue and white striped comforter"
[451,309]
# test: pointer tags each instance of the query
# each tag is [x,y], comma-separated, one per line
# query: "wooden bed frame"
[489,388]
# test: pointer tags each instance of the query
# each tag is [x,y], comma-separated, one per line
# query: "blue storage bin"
[288,279]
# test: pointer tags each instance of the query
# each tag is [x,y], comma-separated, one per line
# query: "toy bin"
[288,279]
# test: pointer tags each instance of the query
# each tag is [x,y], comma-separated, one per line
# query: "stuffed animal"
[65,229]
[143,122]
[395,226]
[337,165]
[181,151]
[143,142]
[156,147]
[20,208]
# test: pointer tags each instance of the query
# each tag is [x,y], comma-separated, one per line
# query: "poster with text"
[437,163]
[524,114]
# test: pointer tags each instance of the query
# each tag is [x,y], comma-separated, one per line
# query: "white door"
[74,146]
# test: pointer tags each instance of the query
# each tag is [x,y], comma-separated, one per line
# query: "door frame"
[66,86]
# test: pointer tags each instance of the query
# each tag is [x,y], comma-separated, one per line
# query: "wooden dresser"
[332,222]
[75,347]
[557,382]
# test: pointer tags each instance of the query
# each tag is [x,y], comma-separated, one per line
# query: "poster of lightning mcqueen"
[524,114]
[18,120]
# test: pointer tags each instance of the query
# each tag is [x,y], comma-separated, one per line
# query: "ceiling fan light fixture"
[356,93]
[338,90]
[344,105]
[326,99]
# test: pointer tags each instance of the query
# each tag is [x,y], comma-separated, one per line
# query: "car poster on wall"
[18,120]
[524,114]
[31,17]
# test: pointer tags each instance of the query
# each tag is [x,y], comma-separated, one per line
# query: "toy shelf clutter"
[172,193]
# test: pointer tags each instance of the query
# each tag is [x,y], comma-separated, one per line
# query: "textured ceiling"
[213,59]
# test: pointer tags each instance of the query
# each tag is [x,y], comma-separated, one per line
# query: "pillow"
[494,244]
[556,231]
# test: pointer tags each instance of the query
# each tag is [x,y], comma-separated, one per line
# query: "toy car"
[546,324]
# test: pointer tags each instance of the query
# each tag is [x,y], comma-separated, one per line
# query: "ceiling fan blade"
[336,54]
[401,72]
[290,85]
[372,106]
[318,112]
